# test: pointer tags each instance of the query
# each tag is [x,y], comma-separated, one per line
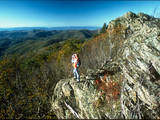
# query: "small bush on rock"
[108,87]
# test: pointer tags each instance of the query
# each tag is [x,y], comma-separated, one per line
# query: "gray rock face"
[140,67]
[79,96]
[81,100]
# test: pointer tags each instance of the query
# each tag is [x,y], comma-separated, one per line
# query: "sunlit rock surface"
[138,67]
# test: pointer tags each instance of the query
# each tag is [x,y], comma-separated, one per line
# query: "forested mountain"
[27,58]
[36,33]
[119,72]
[23,41]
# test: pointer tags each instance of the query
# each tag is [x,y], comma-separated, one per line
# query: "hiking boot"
[73,78]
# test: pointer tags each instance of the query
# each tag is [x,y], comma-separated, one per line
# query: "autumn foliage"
[27,82]
[108,88]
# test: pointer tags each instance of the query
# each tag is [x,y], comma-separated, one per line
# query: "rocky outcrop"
[141,68]
[81,100]
[137,66]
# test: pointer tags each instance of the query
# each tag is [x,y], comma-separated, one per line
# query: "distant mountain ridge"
[52,28]
[24,40]
[39,33]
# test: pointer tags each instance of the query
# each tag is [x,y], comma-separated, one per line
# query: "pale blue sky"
[50,13]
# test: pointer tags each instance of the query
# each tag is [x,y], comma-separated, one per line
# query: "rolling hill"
[22,41]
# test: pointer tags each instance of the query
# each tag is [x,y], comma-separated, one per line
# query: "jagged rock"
[139,64]
[141,53]
[82,99]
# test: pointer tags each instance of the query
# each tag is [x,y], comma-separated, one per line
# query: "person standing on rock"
[75,63]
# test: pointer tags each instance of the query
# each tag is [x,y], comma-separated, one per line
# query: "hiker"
[75,62]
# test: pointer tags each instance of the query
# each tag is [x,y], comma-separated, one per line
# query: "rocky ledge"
[138,69]
[81,100]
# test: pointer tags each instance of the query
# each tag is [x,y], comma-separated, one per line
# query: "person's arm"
[72,59]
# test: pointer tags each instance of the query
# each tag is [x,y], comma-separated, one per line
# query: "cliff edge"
[136,68]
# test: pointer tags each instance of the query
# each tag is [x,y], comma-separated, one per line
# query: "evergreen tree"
[103,28]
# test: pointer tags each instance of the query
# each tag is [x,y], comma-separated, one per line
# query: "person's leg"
[77,74]
[74,72]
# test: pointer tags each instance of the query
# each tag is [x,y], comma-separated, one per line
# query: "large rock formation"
[141,68]
[81,100]
[136,65]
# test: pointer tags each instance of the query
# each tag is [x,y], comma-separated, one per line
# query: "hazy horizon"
[48,27]
[51,28]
